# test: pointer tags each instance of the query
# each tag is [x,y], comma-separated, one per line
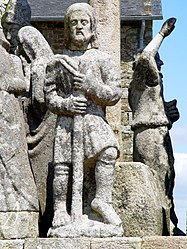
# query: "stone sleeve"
[105,90]
[54,75]
[17,83]
[146,70]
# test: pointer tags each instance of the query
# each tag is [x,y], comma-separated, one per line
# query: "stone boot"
[104,176]
[60,186]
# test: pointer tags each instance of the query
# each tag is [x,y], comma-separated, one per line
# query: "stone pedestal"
[139,201]
[86,228]
[18,225]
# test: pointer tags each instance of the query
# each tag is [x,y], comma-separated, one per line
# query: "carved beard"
[79,39]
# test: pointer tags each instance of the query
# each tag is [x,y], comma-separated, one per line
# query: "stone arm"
[18,84]
[104,90]
[13,80]
[145,69]
[59,104]
[38,68]
[166,29]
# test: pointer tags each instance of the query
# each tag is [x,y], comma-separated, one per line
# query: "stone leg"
[60,187]
[104,176]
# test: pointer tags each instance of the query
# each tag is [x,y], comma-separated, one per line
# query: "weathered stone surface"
[40,122]
[108,29]
[156,242]
[79,85]
[152,116]
[18,225]
[3,4]
[17,187]
[82,243]
[116,243]
[86,228]
[17,14]
[164,242]
[138,199]
[12,244]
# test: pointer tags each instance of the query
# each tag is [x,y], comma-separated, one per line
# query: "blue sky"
[173,52]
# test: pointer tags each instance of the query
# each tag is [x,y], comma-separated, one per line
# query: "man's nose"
[79,25]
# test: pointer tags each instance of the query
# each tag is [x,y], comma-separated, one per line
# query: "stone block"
[11,244]
[116,243]
[138,200]
[81,243]
[158,242]
[18,225]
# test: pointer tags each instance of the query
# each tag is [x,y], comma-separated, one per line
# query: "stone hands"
[80,83]
[168,27]
[77,105]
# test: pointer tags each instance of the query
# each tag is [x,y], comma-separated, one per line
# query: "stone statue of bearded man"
[79,85]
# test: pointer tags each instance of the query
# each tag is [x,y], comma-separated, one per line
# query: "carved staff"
[78,169]
[77,151]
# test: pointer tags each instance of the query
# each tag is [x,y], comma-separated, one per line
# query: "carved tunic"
[17,187]
[103,90]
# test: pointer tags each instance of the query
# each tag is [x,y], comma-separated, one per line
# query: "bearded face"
[80,28]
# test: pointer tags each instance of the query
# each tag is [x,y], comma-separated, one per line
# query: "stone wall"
[53,32]
[156,242]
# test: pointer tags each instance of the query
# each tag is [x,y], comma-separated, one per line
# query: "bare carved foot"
[61,218]
[106,211]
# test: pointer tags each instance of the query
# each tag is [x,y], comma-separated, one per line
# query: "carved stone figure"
[17,14]
[152,116]
[35,53]
[79,85]
[19,204]
[30,45]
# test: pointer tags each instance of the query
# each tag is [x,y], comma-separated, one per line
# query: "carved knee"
[108,156]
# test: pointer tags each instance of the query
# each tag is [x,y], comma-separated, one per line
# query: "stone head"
[3,41]
[80,26]
[17,15]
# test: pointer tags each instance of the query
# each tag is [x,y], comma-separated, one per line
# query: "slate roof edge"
[47,18]
[123,18]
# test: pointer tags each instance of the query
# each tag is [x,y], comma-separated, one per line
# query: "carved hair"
[90,12]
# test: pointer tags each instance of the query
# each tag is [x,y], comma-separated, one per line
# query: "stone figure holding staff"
[79,85]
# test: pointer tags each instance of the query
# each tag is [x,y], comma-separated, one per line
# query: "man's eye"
[84,22]
[73,22]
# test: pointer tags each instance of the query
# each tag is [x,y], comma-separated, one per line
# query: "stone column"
[108,29]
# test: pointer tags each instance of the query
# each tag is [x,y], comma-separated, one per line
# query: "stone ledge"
[18,224]
[12,244]
[154,242]
[158,242]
